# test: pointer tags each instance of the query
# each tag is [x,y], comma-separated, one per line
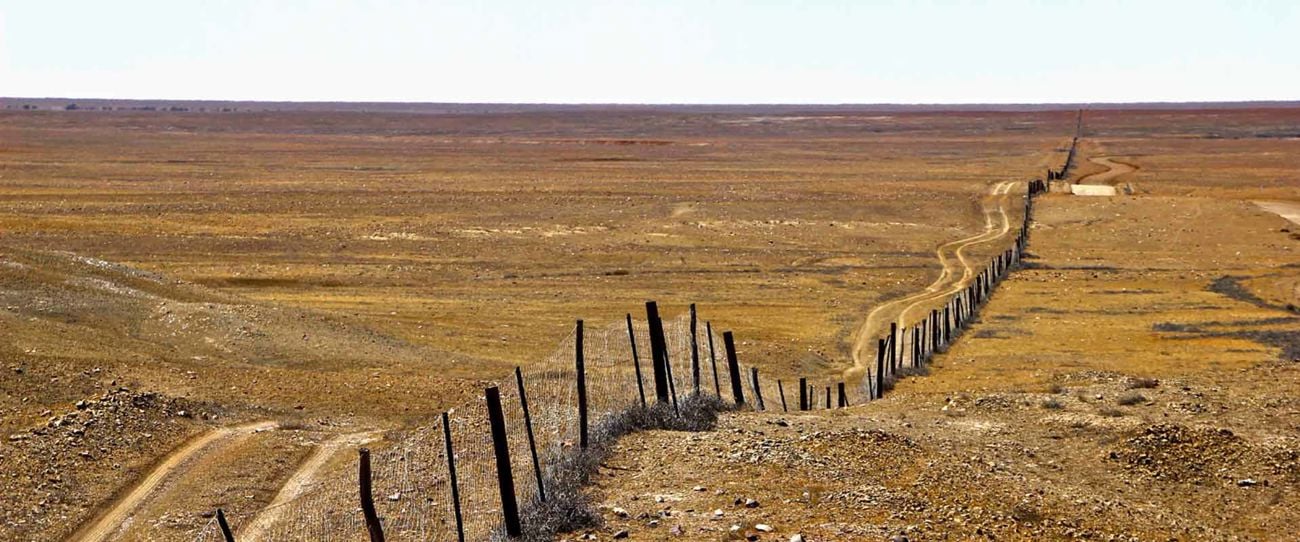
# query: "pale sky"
[671,51]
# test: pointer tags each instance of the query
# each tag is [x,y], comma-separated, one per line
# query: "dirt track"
[946,284]
[119,511]
[302,480]
[1115,169]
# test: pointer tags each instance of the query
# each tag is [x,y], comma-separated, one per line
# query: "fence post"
[803,394]
[528,429]
[893,346]
[656,351]
[581,368]
[636,362]
[367,500]
[225,527]
[844,399]
[828,397]
[780,390]
[733,367]
[947,323]
[451,474]
[713,360]
[758,391]
[505,479]
[880,368]
[695,352]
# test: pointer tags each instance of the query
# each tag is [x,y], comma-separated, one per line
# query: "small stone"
[699,488]
[1248,482]
[621,534]
[619,512]
[395,497]
[764,527]
[796,538]
[751,503]
[677,530]
[717,513]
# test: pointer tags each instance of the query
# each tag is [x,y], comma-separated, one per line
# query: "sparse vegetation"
[1131,398]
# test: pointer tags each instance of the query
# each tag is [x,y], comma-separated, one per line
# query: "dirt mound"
[1180,454]
[52,471]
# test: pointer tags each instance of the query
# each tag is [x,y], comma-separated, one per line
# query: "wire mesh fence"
[452,480]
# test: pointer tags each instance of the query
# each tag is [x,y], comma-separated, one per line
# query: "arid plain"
[342,273]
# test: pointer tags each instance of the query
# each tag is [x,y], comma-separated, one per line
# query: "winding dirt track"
[1115,169]
[301,481]
[952,259]
[118,512]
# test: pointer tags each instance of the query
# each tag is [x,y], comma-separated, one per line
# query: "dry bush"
[1052,403]
[1132,398]
[1142,383]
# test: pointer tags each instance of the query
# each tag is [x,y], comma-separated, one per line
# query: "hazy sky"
[671,51]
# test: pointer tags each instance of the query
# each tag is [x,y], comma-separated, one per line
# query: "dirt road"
[119,512]
[1115,169]
[952,259]
[1286,209]
[302,480]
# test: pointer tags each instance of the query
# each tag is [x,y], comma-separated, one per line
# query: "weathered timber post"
[581,370]
[657,347]
[733,367]
[844,399]
[636,362]
[758,390]
[880,368]
[803,394]
[501,448]
[695,352]
[893,346]
[828,397]
[780,390]
[451,474]
[713,360]
[528,429]
[225,527]
[367,500]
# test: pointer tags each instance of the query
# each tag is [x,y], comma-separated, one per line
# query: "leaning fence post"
[367,500]
[500,447]
[225,527]
[656,351]
[880,368]
[636,362]
[733,366]
[528,429]
[803,394]
[780,390]
[713,360]
[695,352]
[582,387]
[758,391]
[451,474]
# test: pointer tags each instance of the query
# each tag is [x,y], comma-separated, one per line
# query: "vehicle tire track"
[946,284]
[301,481]
[119,512]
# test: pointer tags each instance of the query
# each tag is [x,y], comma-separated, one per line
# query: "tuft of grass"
[1056,389]
[1052,403]
[1142,383]
[1131,398]
[1110,412]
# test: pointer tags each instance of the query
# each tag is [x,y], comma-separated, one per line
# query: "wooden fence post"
[803,394]
[528,429]
[893,346]
[451,474]
[844,399]
[501,448]
[713,360]
[780,390]
[733,367]
[225,527]
[636,361]
[880,368]
[758,390]
[656,351]
[580,366]
[367,500]
[695,352]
